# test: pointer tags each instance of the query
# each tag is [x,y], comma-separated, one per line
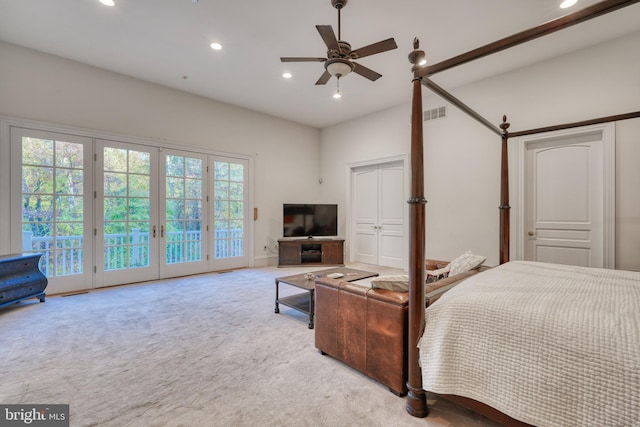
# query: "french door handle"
[162,230]
[154,231]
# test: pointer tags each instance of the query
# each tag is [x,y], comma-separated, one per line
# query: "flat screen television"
[310,220]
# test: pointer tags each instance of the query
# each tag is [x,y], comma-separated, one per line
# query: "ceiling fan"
[340,57]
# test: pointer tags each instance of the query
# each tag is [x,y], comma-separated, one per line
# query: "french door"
[230,212]
[50,205]
[183,213]
[126,213]
[106,212]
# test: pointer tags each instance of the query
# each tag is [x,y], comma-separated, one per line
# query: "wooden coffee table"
[304,302]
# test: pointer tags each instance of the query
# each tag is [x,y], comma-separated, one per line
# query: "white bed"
[547,344]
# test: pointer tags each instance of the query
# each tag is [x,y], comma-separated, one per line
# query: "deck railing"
[127,251]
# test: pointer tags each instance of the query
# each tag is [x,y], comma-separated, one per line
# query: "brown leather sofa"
[367,328]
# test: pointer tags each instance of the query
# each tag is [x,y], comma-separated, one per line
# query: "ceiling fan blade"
[294,59]
[329,37]
[324,78]
[372,49]
[366,72]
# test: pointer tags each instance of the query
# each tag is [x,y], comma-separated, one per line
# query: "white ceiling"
[162,41]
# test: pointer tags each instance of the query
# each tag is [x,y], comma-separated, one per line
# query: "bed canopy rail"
[607,119]
[416,397]
[549,27]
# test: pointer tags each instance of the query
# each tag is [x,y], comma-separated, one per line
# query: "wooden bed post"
[504,194]
[416,397]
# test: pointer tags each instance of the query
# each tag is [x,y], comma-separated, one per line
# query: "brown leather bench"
[367,328]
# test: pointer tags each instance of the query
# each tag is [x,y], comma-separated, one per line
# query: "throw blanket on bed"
[547,344]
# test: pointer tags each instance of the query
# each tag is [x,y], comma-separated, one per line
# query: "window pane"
[236,172]
[115,184]
[193,209]
[221,210]
[69,181]
[193,168]
[115,159]
[139,186]
[139,209]
[37,179]
[175,166]
[175,209]
[69,208]
[193,189]
[236,191]
[236,210]
[175,187]
[37,152]
[139,162]
[37,208]
[115,208]
[69,155]
[221,171]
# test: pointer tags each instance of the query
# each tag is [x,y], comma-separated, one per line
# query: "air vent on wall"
[436,113]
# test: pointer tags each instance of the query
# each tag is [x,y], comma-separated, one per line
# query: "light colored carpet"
[205,350]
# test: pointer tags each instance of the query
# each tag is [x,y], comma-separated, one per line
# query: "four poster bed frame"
[416,398]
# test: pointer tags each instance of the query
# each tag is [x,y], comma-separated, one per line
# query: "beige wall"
[462,157]
[628,195]
[44,88]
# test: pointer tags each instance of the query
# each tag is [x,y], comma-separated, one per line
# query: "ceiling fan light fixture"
[108,2]
[339,67]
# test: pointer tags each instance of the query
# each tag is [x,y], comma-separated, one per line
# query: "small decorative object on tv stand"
[321,251]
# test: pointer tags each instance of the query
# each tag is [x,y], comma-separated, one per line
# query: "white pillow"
[465,262]
[394,282]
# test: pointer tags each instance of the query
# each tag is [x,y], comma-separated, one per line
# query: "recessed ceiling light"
[216,46]
[567,3]
[287,75]
[108,2]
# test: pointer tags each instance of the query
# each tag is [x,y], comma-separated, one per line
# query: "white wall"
[44,88]
[462,157]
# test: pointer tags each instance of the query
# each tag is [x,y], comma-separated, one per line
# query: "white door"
[127,229]
[183,213]
[565,193]
[391,209]
[378,214]
[51,205]
[230,213]
[365,215]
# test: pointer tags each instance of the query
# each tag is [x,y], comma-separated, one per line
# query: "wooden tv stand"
[310,252]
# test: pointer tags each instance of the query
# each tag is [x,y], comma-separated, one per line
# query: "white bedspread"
[547,344]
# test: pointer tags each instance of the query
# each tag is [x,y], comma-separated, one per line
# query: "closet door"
[564,203]
[378,214]
[365,215]
[391,208]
